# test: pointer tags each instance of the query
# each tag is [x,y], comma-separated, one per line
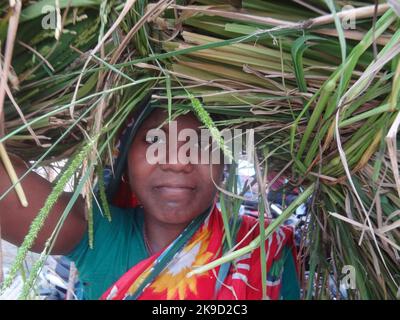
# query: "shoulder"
[114,215]
[114,226]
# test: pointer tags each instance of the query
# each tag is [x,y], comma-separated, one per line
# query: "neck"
[160,234]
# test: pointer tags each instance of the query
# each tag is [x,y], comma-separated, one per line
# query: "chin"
[176,214]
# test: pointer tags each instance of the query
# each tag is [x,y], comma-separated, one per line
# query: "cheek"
[139,168]
[208,181]
[217,172]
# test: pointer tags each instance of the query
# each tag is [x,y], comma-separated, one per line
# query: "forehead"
[159,117]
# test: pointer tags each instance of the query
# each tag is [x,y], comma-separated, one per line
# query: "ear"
[125,197]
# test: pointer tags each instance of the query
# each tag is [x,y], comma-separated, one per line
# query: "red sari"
[242,280]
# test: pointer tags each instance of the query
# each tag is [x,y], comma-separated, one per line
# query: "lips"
[175,191]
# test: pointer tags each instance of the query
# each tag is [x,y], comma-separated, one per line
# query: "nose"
[174,163]
[177,167]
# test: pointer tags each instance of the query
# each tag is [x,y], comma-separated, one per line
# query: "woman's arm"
[16,219]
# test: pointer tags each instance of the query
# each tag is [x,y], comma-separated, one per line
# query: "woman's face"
[172,193]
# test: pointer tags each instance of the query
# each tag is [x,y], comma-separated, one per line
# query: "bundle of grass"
[324,100]
[319,85]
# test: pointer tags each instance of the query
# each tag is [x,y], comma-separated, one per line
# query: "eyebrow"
[165,126]
[150,127]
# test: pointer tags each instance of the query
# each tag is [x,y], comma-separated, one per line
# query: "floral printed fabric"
[243,281]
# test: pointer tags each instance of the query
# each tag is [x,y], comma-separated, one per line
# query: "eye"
[205,143]
[151,139]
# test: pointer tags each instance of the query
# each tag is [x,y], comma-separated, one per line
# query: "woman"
[175,228]
[164,224]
